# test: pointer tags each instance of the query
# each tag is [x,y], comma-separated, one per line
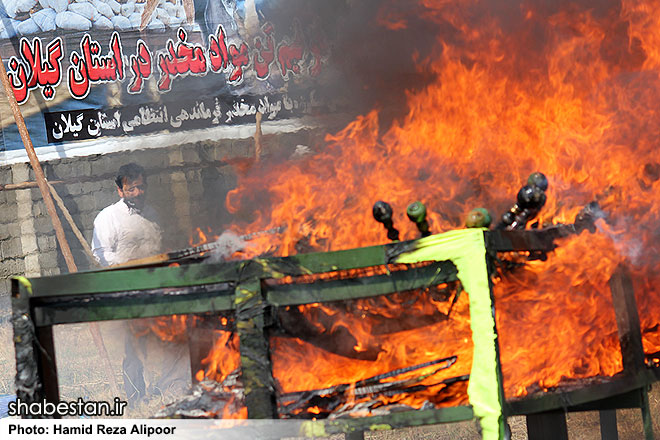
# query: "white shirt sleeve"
[104,240]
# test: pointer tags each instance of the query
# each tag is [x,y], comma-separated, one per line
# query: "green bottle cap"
[416,212]
[478,218]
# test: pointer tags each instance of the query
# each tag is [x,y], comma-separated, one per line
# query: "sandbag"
[59,5]
[156,24]
[72,21]
[135,18]
[45,19]
[103,22]
[104,9]
[127,9]
[121,23]
[15,7]
[86,9]
[28,27]
[116,7]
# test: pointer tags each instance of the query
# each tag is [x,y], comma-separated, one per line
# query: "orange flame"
[568,90]
[200,237]
[299,365]
[571,92]
[223,359]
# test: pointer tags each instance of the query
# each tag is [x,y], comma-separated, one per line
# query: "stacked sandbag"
[30,17]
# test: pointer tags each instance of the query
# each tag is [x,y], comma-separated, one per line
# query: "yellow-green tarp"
[467,250]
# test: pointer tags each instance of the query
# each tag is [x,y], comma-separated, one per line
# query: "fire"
[200,237]
[223,359]
[374,323]
[168,328]
[573,93]
[567,90]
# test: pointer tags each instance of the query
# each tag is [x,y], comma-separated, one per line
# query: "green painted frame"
[134,292]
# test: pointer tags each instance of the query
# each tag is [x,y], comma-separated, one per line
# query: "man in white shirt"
[124,231]
[128,229]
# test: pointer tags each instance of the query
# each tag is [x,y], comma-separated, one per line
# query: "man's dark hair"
[130,171]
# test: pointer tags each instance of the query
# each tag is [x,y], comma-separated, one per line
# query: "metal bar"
[111,281]
[256,372]
[626,400]
[388,422]
[575,398]
[630,336]
[198,299]
[362,287]
[320,262]
[504,428]
[547,426]
[627,320]
[527,240]
[47,363]
[122,279]
[29,385]
[129,305]
[608,430]
[647,420]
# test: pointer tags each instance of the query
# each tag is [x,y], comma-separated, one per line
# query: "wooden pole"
[24,185]
[38,172]
[257,138]
[48,200]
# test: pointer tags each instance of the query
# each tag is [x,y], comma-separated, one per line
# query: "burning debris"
[318,326]
[377,395]
[354,331]
[360,398]
[365,331]
[209,399]
[568,89]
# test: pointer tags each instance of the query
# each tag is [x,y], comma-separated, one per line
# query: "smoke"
[225,246]
[373,61]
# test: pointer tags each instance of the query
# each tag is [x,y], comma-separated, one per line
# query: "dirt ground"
[81,374]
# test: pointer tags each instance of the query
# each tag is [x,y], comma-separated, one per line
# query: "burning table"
[269,309]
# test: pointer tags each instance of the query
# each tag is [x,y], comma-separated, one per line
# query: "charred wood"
[331,398]
[653,360]
[208,399]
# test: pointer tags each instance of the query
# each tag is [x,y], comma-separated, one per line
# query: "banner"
[90,69]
